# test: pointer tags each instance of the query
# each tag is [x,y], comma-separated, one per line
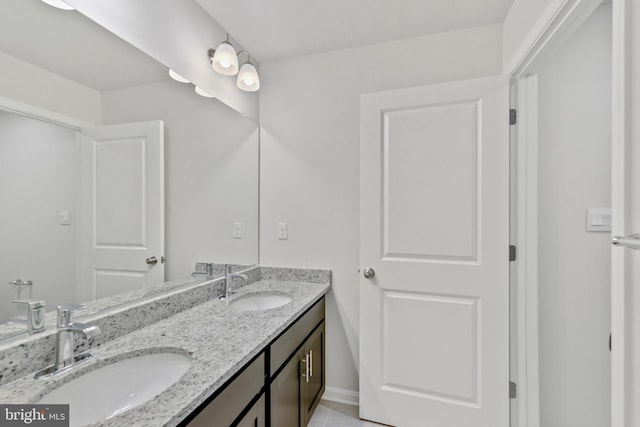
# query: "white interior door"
[625,259]
[121,208]
[434,215]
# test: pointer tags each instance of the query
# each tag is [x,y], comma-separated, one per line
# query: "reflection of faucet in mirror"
[20,283]
[30,315]
[205,269]
[35,314]
[228,276]
[65,339]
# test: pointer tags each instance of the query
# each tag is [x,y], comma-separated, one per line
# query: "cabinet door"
[236,396]
[313,381]
[285,394]
[255,417]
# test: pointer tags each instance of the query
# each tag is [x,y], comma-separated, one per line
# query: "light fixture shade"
[177,77]
[203,92]
[59,4]
[248,79]
[225,60]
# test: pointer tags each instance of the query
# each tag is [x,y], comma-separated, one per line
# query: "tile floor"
[331,414]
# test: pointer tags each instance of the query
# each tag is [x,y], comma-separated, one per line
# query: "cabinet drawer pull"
[310,363]
[305,373]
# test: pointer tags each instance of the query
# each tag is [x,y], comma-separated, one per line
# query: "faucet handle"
[65,314]
[30,303]
[35,314]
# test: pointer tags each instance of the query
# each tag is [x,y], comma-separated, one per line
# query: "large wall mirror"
[208,164]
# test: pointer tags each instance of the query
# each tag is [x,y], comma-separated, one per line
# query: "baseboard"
[340,395]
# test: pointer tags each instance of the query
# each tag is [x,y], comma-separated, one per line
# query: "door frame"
[39,113]
[558,27]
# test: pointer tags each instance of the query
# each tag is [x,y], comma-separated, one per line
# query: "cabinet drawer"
[291,339]
[226,407]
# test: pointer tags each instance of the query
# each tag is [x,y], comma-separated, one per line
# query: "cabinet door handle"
[311,363]
[306,368]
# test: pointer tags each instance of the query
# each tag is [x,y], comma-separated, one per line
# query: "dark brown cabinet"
[255,417]
[312,383]
[227,406]
[297,378]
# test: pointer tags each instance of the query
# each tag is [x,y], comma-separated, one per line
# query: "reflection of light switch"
[282,231]
[599,219]
[237,230]
[64,218]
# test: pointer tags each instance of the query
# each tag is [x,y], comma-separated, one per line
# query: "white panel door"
[434,228]
[122,208]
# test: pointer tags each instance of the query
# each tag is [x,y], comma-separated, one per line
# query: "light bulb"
[225,60]
[177,77]
[203,92]
[248,79]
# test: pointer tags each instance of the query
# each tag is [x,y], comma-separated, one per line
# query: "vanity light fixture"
[59,4]
[248,79]
[203,92]
[177,77]
[224,59]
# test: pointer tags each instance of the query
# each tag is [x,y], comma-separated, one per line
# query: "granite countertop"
[219,339]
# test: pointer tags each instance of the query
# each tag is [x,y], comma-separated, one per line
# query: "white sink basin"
[118,387]
[261,301]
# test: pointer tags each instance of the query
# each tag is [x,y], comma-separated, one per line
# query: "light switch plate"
[64,218]
[598,219]
[282,231]
[237,230]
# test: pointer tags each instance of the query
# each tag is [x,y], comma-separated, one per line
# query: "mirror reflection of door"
[122,209]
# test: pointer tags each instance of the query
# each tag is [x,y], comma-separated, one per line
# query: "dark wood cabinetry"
[312,383]
[297,377]
[296,388]
[227,405]
[256,416]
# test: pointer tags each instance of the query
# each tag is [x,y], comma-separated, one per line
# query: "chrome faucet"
[65,338]
[205,269]
[228,277]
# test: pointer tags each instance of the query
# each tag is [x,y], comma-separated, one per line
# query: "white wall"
[309,166]
[574,266]
[211,172]
[24,83]
[38,172]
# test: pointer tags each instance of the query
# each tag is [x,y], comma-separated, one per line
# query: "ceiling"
[274,29]
[70,45]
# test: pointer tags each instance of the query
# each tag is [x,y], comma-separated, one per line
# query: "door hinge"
[512,252]
[513,390]
[513,116]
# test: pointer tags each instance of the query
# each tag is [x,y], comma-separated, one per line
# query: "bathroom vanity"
[248,368]
[282,384]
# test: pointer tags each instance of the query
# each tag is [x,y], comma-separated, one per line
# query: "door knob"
[152,260]
[369,273]
[632,241]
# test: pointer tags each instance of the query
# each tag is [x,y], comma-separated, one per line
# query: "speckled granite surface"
[219,339]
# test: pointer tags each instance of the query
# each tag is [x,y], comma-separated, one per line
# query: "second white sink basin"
[118,387]
[260,301]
